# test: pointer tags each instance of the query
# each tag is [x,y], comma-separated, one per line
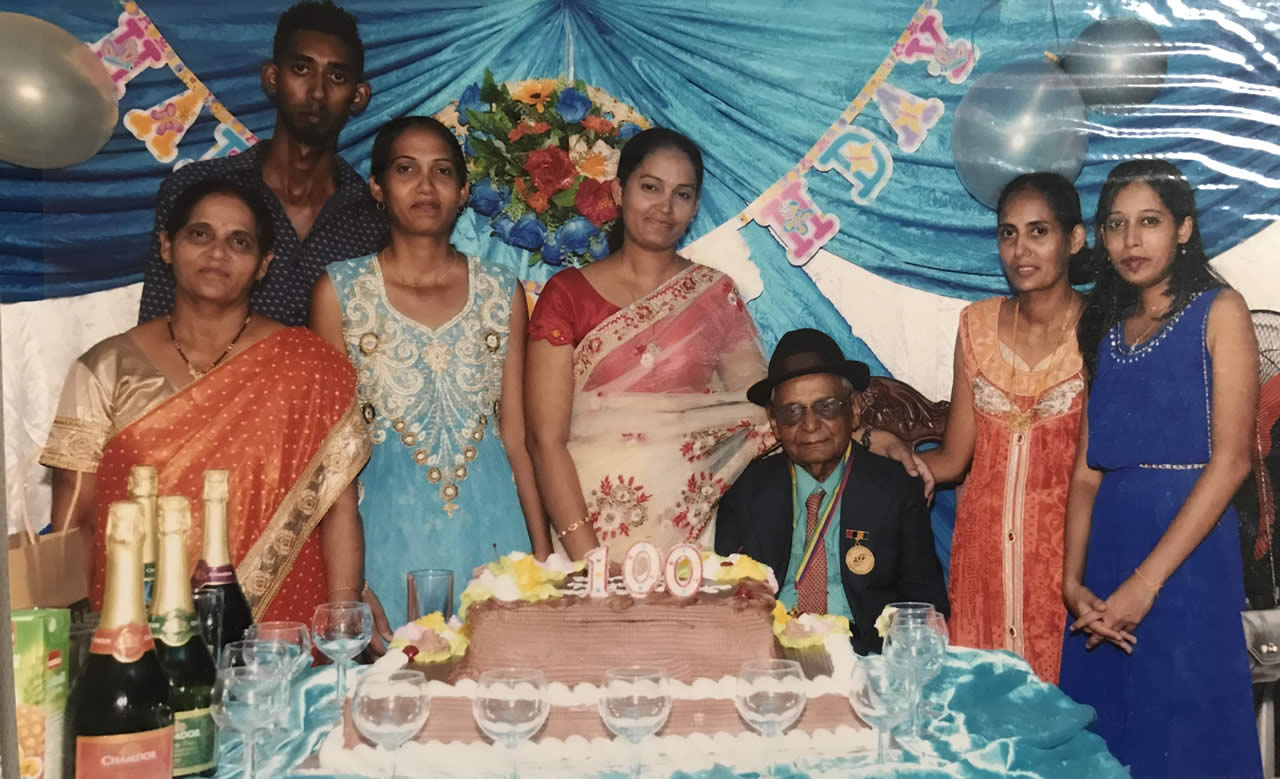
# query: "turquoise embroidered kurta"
[837,603]
[438,490]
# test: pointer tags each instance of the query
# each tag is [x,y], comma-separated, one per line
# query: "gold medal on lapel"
[859,558]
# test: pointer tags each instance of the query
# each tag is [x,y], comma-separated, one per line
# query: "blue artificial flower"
[466,147]
[502,225]
[627,129]
[599,246]
[487,200]
[553,250]
[470,99]
[575,234]
[527,233]
[573,105]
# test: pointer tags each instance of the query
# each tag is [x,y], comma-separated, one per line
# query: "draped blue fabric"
[754,83]
[998,720]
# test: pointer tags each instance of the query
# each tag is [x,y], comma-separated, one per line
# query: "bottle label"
[126,643]
[146,755]
[175,627]
[194,741]
[206,575]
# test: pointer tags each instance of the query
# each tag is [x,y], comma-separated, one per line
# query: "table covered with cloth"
[997,720]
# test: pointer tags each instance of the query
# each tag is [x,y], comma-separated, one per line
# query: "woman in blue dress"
[437,339]
[1152,573]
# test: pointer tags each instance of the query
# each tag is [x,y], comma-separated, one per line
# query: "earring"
[1182,249]
[462,208]
[382,206]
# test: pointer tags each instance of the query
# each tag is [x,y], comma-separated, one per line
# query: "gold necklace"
[196,374]
[1146,333]
[1023,418]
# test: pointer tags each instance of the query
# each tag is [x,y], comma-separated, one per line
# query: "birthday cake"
[518,612]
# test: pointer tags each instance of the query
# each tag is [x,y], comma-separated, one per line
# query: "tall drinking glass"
[511,705]
[880,697]
[635,703]
[389,709]
[915,648]
[771,695]
[430,590]
[341,630]
[247,700]
[210,603]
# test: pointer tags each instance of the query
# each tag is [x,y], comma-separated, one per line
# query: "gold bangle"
[570,529]
[356,590]
[1142,577]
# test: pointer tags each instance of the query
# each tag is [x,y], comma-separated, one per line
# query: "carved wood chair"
[900,408]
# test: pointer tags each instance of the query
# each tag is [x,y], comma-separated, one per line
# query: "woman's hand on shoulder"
[887,444]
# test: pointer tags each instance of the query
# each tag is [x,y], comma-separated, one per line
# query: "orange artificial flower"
[535,92]
[538,201]
[527,128]
[598,125]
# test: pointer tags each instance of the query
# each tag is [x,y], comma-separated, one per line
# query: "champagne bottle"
[143,490]
[181,648]
[120,712]
[215,568]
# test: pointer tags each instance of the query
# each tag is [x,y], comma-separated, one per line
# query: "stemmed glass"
[771,695]
[881,697]
[916,648]
[511,705]
[390,708]
[247,699]
[341,630]
[291,633]
[635,704]
[277,657]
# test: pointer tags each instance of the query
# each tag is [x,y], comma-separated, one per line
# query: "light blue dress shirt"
[837,603]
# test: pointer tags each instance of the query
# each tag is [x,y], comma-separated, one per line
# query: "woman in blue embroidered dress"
[437,339]
[1152,550]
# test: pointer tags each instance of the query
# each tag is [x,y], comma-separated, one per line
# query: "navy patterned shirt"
[349,225]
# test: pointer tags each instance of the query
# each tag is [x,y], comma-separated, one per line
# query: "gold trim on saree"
[75,444]
[343,453]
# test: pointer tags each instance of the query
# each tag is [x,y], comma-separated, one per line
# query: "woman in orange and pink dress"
[1015,413]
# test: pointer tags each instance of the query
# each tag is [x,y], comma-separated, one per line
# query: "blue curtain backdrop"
[754,82]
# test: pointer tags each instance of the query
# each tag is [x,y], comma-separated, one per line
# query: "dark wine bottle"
[143,488]
[180,646]
[214,568]
[120,712]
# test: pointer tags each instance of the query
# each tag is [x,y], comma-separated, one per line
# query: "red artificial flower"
[527,128]
[598,125]
[595,201]
[551,170]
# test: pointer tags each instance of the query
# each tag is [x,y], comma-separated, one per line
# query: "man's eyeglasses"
[793,413]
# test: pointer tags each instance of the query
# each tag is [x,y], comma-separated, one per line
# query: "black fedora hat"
[806,351]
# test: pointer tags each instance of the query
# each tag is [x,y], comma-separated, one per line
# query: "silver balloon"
[1117,64]
[59,103]
[1022,118]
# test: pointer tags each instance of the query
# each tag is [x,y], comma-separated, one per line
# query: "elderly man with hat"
[845,530]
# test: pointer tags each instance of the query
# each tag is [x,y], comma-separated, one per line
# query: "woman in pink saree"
[637,371]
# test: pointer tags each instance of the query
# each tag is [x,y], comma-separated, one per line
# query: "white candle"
[690,586]
[598,572]
[641,569]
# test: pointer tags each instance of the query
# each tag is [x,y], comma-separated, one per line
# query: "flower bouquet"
[542,156]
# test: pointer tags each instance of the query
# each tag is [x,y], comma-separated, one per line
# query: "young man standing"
[321,207]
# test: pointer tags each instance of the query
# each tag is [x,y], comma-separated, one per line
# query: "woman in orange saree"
[215,386]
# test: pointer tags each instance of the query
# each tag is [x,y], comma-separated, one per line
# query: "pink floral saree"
[661,425]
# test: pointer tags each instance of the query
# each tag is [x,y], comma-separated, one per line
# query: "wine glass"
[390,708]
[915,647]
[881,697]
[210,603]
[770,695]
[268,655]
[341,630]
[247,699]
[511,705]
[635,703]
[292,633]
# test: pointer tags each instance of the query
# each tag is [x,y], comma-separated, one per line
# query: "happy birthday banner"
[135,45]
[786,207]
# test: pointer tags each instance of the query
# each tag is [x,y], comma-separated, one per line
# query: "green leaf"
[565,199]
[535,257]
[490,92]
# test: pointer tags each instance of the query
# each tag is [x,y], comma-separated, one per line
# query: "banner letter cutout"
[929,43]
[227,143]
[911,117]
[861,158]
[163,126]
[132,47]
[797,223]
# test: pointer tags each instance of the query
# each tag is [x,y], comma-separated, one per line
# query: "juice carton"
[40,643]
